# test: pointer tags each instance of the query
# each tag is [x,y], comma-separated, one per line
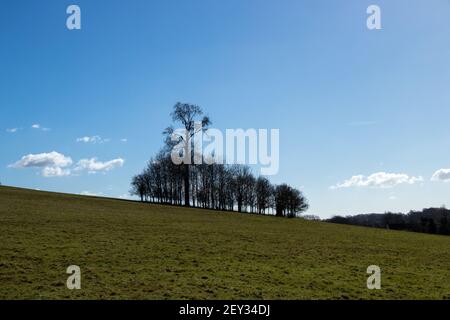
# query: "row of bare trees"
[216,186]
[213,186]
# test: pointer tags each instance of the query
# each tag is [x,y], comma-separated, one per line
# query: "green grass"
[129,250]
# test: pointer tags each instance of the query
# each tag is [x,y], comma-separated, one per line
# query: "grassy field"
[129,250]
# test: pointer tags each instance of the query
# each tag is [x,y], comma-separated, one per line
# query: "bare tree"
[138,186]
[289,202]
[187,115]
[241,180]
[264,194]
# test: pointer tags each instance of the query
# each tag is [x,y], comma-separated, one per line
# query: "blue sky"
[348,101]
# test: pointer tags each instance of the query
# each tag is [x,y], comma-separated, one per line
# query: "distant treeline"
[432,220]
[212,186]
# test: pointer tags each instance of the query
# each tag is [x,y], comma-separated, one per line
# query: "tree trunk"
[186,186]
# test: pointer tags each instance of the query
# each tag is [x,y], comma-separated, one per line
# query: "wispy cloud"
[93,165]
[441,175]
[92,139]
[37,126]
[378,180]
[12,130]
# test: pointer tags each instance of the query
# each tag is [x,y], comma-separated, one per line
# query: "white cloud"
[39,127]
[84,139]
[51,163]
[93,165]
[124,140]
[12,130]
[441,175]
[378,180]
[92,139]
[54,164]
[41,160]
[55,172]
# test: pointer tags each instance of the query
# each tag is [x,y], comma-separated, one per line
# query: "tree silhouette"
[209,184]
[264,194]
[187,115]
[289,202]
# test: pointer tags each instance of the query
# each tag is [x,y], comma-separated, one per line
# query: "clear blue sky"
[348,101]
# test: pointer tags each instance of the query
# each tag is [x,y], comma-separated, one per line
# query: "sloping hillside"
[137,251]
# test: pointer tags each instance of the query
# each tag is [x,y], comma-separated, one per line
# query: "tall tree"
[187,115]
